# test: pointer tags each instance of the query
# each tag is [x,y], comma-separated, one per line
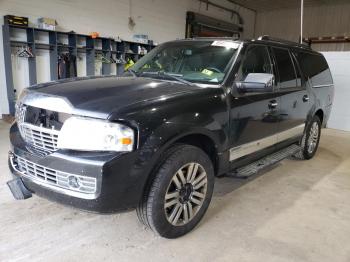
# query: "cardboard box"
[16,20]
[143,39]
[47,23]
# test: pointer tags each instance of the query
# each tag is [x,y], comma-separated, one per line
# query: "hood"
[101,96]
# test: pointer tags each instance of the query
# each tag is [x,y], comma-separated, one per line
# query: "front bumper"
[119,179]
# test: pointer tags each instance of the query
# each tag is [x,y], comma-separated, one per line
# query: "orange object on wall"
[94,34]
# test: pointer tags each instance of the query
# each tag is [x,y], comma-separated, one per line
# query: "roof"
[262,39]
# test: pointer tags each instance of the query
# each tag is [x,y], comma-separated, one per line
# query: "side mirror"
[256,83]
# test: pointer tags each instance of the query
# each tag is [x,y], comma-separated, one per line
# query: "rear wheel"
[180,193]
[310,140]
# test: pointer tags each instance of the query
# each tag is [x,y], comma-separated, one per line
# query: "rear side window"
[285,68]
[314,68]
[300,79]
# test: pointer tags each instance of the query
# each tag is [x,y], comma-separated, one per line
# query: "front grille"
[39,137]
[39,128]
[20,113]
[52,177]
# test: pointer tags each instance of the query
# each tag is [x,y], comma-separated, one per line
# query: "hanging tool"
[25,52]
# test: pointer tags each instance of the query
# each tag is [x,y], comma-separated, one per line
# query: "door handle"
[273,104]
[306,98]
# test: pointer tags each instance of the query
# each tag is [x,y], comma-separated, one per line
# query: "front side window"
[287,78]
[194,61]
[255,61]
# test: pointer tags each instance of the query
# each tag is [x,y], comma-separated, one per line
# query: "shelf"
[65,46]
[62,42]
[21,42]
[44,30]
[44,44]
[18,26]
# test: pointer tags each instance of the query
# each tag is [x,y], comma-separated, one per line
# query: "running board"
[255,167]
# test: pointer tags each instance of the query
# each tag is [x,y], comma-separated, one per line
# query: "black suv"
[155,138]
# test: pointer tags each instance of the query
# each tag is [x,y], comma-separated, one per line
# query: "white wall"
[323,20]
[3,94]
[339,63]
[162,20]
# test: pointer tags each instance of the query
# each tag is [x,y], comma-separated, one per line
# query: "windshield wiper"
[177,77]
[172,76]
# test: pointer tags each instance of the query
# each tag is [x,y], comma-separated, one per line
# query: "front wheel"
[180,193]
[310,140]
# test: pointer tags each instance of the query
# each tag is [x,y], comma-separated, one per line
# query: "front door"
[254,117]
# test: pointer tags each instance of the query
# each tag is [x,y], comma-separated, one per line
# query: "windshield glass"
[193,61]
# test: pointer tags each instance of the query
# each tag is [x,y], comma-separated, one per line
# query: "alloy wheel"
[313,138]
[185,194]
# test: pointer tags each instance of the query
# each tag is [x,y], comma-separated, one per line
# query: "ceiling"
[266,5]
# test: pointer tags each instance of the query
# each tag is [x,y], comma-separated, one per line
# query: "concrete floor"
[297,211]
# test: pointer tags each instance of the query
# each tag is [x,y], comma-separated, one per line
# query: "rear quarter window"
[314,68]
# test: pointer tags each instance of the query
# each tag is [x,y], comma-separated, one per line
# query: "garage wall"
[162,20]
[339,63]
[327,20]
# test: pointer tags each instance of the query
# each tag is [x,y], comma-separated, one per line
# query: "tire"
[183,183]
[310,140]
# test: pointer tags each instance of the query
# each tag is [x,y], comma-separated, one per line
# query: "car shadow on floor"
[227,184]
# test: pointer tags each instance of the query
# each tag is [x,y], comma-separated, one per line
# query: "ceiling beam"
[246,7]
[233,12]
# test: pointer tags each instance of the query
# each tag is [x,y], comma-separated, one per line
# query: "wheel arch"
[200,139]
[203,142]
[320,115]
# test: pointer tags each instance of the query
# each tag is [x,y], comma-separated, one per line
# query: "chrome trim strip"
[251,147]
[318,86]
[57,189]
[290,133]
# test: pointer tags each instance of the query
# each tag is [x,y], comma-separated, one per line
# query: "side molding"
[249,148]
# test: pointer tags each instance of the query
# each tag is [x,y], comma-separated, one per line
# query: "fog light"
[73,182]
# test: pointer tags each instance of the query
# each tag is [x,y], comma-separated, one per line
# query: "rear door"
[295,99]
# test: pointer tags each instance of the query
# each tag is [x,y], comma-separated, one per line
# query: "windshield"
[191,61]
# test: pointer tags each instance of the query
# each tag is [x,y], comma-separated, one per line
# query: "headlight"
[95,135]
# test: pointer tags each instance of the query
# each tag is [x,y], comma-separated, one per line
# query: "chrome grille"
[20,112]
[35,172]
[39,137]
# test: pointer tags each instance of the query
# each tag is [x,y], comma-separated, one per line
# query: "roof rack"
[282,41]
[215,37]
